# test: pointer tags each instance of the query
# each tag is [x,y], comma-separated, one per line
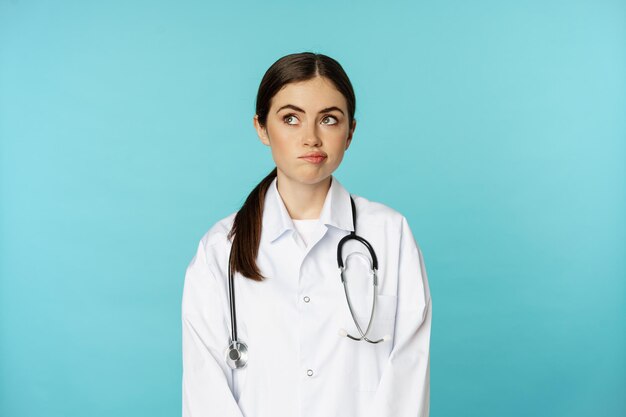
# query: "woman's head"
[305,104]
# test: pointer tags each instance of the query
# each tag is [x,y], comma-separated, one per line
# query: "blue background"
[497,128]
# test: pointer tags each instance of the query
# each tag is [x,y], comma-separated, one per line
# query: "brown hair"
[291,68]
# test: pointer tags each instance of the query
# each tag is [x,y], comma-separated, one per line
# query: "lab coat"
[299,365]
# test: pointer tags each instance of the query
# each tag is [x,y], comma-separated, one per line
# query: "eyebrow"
[296,108]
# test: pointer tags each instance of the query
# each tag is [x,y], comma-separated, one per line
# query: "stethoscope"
[237,351]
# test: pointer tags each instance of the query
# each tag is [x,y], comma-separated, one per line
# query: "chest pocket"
[368,360]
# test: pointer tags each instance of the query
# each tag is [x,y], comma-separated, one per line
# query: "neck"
[303,201]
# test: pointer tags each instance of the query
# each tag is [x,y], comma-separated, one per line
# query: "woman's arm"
[207,379]
[404,389]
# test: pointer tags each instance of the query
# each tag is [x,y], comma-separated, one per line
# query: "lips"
[314,157]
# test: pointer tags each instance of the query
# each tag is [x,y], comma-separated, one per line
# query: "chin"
[311,178]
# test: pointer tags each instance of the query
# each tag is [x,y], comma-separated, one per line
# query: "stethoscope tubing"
[231,295]
[372,314]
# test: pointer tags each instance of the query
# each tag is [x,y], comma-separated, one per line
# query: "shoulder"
[384,217]
[376,212]
[214,242]
[218,232]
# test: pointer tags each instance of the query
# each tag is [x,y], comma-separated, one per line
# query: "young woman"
[308,301]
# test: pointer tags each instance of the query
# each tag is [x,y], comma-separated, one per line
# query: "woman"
[293,347]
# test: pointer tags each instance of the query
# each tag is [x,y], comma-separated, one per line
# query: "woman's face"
[304,118]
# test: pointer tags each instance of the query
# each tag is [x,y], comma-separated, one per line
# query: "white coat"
[298,364]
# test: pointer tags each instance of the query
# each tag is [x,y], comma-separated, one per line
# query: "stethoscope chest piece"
[237,355]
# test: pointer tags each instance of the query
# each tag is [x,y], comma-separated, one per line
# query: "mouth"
[314,158]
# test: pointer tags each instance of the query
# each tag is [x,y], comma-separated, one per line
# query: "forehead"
[318,92]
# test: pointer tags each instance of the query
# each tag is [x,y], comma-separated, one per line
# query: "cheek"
[337,137]
[338,143]
[280,146]
[339,156]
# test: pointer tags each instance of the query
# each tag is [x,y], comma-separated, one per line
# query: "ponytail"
[246,230]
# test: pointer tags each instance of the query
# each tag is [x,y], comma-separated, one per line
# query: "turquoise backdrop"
[498,128]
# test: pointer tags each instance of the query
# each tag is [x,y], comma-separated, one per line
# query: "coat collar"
[336,211]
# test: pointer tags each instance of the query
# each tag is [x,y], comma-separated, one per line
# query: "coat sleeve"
[207,379]
[404,389]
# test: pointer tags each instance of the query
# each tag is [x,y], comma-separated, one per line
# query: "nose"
[312,135]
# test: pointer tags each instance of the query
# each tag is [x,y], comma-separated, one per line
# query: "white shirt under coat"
[298,364]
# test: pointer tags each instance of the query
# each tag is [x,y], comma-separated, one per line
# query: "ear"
[350,133]
[261,131]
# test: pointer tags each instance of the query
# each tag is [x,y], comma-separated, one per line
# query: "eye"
[332,118]
[289,118]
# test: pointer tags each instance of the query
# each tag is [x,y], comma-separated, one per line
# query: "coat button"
[306,299]
[309,372]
